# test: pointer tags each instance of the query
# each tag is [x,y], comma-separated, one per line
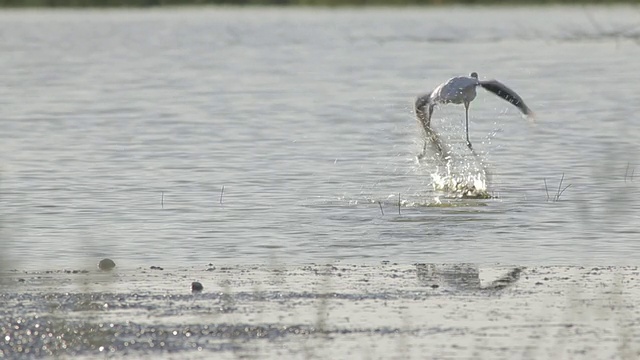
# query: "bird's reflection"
[462,277]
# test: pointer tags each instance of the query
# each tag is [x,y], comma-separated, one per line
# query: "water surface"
[120,128]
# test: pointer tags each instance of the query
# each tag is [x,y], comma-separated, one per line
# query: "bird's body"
[456,90]
[462,90]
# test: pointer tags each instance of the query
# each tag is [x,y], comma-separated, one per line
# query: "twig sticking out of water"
[560,193]
[221,194]
[560,189]
[399,204]
[162,200]
[559,186]
[545,188]
[382,211]
[626,173]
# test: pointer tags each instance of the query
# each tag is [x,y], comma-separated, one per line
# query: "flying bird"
[462,90]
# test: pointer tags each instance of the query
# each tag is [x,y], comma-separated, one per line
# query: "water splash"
[456,173]
[470,185]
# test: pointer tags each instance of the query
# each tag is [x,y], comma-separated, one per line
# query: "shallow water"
[120,129]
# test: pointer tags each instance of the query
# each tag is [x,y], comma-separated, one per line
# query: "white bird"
[462,90]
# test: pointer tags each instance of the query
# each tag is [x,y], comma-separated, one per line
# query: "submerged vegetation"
[150,3]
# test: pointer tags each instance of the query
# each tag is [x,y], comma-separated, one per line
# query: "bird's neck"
[420,110]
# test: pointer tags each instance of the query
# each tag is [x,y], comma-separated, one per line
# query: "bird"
[462,90]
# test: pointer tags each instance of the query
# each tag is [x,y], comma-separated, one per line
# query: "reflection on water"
[117,141]
[459,277]
[464,277]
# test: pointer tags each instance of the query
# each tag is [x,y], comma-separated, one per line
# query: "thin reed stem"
[545,188]
[559,187]
[565,188]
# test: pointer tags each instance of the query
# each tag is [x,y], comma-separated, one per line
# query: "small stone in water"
[106,265]
[196,286]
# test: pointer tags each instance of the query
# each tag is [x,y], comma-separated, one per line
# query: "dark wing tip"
[507,94]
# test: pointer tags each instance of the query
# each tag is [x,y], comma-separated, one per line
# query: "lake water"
[120,128]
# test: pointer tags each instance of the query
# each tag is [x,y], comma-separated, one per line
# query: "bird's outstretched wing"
[504,92]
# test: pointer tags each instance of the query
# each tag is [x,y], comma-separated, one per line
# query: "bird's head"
[474,75]
[421,102]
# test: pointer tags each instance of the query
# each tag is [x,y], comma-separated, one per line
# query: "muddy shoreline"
[434,311]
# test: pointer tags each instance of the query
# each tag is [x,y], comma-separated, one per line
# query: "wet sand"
[338,311]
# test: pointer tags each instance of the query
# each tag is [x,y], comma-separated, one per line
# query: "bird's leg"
[466,112]
[431,106]
[424,150]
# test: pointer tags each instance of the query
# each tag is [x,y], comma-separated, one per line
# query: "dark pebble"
[156,268]
[106,265]
[196,286]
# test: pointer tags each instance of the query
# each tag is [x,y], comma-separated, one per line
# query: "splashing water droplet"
[472,185]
